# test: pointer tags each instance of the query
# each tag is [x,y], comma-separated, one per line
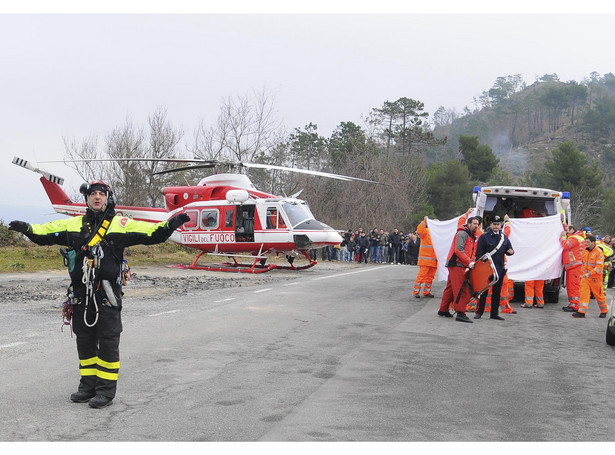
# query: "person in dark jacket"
[374,239]
[352,246]
[414,245]
[95,259]
[497,244]
[395,245]
[363,246]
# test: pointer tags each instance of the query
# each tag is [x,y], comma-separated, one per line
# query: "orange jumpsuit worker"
[591,279]
[460,256]
[428,264]
[534,288]
[508,286]
[572,258]
[473,303]
[461,223]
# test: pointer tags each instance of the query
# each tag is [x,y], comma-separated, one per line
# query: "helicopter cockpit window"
[194,219]
[281,223]
[297,212]
[209,219]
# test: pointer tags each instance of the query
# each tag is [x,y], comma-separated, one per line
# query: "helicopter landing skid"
[258,266]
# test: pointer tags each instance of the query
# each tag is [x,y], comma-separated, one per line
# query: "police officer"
[95,254]
[497,244]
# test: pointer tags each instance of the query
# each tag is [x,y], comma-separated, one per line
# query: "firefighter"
[572,257]
[591,279]
[95,259]
[428,264]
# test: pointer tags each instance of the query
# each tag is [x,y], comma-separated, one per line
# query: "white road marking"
[11,345]
[371,269]
[262,290]
[165,312]
[224,300]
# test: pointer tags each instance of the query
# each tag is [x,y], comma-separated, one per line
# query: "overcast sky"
[78,75]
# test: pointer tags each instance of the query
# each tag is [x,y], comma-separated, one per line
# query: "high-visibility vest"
[573,250]
[427,254]
[606,249]
[593,261]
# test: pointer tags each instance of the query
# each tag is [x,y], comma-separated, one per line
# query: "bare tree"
[163,142]
[127,177]
[79,156]
[586,206]
[245,129]
[130,180]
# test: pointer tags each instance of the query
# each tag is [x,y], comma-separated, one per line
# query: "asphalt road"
[335,353]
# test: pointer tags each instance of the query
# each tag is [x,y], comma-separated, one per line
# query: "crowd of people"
[378,246]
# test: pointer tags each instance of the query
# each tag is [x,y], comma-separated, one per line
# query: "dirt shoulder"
[51,286]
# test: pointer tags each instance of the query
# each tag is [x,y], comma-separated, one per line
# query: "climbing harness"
[91,264]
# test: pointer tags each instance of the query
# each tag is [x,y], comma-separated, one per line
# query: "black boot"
[82,397]
[100,401]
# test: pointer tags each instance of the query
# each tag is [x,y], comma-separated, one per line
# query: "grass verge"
[34,258]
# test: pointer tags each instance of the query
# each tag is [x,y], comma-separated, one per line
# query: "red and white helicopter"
[228,216]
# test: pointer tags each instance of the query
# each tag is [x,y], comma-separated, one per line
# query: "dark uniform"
[498,244]
[95,254]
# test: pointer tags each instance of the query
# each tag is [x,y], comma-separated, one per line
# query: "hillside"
[523,124]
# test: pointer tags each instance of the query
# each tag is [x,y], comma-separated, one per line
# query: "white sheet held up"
[442,234]
[538,253]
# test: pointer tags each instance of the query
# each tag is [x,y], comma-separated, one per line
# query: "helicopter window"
[230,214]
[272,218]
[194,219]
[297,212]
[209,219]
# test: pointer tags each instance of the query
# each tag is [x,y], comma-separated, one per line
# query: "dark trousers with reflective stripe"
[98,348]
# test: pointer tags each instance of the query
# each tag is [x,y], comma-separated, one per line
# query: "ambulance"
[523,202]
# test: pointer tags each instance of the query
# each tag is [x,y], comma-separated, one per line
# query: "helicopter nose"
[320,238]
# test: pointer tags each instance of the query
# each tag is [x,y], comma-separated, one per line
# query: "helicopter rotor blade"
[185,168]
[111,160]
[26,164]
[203,164]
[307,171]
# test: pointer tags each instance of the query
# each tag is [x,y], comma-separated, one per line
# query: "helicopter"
[228,216]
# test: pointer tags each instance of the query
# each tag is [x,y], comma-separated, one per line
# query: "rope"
[88,279]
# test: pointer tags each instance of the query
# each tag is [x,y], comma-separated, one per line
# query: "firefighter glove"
[178,220]
[19,226]
[471,265]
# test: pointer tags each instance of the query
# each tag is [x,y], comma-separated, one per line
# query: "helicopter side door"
[244,223]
